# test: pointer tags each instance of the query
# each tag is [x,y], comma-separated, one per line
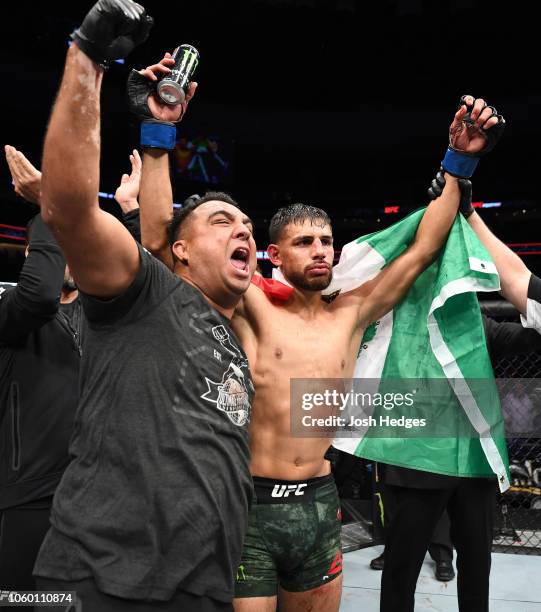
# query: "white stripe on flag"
[482,265]
[369,366]
[358,264]
[453,372]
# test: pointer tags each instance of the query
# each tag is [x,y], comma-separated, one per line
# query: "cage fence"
[517,525]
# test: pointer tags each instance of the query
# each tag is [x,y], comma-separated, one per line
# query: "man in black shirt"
[152,510]
[41,334]
[40,344]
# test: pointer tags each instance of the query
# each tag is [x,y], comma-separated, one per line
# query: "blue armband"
[459,164]
[158,135]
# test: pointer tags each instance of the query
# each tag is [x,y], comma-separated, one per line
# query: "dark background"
[343,104]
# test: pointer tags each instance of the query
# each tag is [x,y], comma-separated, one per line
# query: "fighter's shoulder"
[253,310]
[347,301]
[346,306]
[253,303]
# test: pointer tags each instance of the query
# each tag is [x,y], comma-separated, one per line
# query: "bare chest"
[300,348]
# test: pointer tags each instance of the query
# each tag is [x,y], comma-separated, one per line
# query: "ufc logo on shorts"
[286,490]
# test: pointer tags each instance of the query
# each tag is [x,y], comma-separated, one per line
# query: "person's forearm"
[42,274]
[514,274]
[156,204]
[437,221]
[72,145]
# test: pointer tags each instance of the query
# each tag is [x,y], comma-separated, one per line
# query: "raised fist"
[112,29]
[476,127]
[475,130]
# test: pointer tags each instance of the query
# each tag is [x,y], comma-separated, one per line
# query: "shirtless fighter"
[293,539]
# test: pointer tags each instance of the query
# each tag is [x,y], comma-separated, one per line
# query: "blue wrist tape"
[158,135]
[458,164]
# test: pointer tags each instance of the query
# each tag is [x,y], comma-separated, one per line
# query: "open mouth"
[240,257]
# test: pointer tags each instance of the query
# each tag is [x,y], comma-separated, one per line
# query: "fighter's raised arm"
[102,255]
[474,131]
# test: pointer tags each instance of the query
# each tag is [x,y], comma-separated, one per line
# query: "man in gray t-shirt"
[152,509]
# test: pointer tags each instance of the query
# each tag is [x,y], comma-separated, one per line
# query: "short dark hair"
[294,213]
[180,216]
[195,197]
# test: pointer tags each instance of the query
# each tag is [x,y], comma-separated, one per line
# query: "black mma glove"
[462,164]
[436,189]
[112,29]
[155,134]
[139,88]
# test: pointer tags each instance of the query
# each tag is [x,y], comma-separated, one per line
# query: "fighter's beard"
[317,283]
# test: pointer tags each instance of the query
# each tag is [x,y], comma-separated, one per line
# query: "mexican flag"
[434,335]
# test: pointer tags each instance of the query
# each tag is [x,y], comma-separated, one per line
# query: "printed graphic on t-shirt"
[230,394]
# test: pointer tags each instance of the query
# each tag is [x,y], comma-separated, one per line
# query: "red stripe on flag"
[273,289]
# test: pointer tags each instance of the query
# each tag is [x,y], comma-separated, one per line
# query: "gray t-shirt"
[157,493]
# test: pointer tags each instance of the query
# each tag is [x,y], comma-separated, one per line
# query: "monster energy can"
[172,88]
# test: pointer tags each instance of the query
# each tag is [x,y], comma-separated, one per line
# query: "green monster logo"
[241,574]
